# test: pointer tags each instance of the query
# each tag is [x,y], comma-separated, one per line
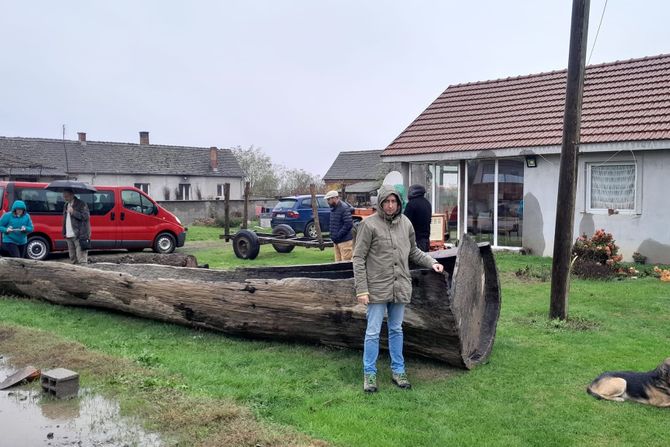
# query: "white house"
[490,153]
[164,172]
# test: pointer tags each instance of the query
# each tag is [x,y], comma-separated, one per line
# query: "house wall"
[158,184]
[189,211]
[646,231]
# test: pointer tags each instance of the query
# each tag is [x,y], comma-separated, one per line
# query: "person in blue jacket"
[15,227]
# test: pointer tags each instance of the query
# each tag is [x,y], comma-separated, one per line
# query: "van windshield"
[2,195]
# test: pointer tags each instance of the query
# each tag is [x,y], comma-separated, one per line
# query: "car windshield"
[284,204]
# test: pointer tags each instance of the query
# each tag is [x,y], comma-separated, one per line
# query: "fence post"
[247,190]
[315,210]
[226,208]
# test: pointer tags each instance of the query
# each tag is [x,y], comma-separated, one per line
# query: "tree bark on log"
[173,259]
[452,317]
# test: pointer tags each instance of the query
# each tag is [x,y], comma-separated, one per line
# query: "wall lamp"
[531,161]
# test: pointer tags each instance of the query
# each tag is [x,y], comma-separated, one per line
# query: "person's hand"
[23,228]
[69,208]
[10,229]
[363,299]
[439,268]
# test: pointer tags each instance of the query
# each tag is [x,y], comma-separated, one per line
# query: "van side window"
[102,202]
[40,200]
[2,195]
[134,201]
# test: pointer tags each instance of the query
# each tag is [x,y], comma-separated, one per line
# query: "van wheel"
[37,248]
[310,230]
[246,244]
[283,231]
[165,243]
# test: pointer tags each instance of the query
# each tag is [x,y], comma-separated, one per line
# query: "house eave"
[648,145]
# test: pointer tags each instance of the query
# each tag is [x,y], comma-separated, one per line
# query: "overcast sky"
[302,79]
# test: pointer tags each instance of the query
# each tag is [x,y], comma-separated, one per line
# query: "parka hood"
[18,205]
[382,194]
[416,191]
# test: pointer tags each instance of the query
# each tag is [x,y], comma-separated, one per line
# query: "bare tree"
[261,173]
[297,181]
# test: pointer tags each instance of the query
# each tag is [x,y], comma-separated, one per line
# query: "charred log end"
[476,295]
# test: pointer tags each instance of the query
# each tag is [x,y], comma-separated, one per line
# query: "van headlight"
[178,220]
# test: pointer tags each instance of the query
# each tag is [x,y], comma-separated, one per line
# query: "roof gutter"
[532,150]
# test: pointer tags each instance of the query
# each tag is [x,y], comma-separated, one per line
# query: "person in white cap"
[341,225]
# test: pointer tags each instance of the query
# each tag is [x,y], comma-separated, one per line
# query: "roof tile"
[623,101]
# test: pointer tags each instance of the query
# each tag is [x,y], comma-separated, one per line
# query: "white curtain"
[613,186]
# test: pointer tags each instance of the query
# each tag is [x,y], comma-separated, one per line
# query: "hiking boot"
[401,380]
[370,383]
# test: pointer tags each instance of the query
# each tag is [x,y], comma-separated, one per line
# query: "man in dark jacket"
[76,227]
[419,212]
[340,226]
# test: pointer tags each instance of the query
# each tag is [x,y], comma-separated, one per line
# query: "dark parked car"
[296,212]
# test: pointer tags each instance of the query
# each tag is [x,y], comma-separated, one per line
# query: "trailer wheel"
[246,244]
[285,232]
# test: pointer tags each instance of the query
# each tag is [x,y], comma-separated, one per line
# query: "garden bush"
[596,257]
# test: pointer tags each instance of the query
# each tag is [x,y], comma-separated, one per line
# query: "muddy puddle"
[29,418]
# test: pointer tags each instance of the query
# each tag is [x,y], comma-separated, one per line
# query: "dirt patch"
[156,399]
[574,323]
[430,371]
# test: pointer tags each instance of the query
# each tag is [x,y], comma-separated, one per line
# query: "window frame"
[636,182]
[144,187]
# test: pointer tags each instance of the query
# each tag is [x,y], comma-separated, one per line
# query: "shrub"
[662,274]
[639,258]
[596,257]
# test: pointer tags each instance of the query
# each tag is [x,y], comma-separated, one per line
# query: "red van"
[121,217]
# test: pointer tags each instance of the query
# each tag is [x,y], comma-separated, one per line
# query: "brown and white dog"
[652,388]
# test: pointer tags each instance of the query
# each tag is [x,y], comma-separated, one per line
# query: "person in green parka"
[385,243]
[15,227]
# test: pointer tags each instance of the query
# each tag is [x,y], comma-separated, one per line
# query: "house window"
[611,186]
[220,190]
[184,191]
[494,201]
[144,187]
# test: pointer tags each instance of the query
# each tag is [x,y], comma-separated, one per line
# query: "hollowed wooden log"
[452,317]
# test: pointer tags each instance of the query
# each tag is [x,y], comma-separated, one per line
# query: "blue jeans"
[396,313]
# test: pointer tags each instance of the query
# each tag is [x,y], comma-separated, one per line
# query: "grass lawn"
[532,392]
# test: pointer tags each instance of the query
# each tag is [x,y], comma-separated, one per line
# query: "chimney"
[213,159]
[144,137]
[82,137]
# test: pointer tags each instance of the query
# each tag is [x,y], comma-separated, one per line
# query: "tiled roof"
[33,154]
[356,165]
[623,101]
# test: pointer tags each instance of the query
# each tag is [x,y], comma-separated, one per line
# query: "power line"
[597,32]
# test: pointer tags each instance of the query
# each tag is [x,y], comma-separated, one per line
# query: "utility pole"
[567,182]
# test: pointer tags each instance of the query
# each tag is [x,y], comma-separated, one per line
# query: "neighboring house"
[164,172]
[360,173]
[490,153]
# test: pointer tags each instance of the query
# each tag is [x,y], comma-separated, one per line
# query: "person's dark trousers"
[14,250]
[423,244]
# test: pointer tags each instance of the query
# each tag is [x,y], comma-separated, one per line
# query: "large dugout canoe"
[452,317]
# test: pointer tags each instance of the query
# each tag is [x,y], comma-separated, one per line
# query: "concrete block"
[60,383]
